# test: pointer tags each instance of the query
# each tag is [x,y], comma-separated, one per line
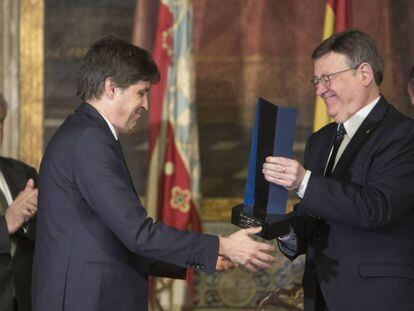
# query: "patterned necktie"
[338,140]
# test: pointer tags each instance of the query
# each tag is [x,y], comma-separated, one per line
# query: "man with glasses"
[356,214]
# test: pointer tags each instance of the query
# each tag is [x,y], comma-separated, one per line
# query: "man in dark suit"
[95,245]
[356,214]
[18,205]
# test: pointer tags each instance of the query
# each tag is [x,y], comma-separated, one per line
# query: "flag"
[173,192]
[337,18]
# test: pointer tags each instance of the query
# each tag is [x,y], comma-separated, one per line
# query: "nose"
[321,89]
[145,102]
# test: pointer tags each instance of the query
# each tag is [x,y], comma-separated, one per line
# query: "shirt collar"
[353,123]
[111,127]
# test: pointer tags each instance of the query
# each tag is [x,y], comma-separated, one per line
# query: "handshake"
[240,249]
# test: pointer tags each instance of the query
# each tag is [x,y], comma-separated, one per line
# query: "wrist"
[11,226]
[223,246]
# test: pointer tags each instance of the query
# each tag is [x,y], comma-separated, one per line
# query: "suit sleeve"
[104,183]
[385,196]
[161,269]
[295,243]
[166,270]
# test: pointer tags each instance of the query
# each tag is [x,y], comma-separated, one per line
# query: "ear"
[366,74]
[109,88]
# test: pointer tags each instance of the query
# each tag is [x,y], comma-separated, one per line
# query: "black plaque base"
[273,225]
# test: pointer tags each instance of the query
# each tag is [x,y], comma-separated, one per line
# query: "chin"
[332,114]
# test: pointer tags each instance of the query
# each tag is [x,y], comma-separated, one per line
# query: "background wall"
[243,49]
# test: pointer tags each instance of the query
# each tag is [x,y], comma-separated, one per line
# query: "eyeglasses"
[326,79]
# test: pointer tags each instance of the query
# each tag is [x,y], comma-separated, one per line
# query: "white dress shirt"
[5,188]
[111,127]
[351,126]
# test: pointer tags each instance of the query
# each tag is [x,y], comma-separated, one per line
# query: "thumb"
[253,230]
[29,184]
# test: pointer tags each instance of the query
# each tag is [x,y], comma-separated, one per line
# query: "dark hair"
[358,46]
[110,57]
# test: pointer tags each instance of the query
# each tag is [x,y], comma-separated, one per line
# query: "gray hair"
[358,46]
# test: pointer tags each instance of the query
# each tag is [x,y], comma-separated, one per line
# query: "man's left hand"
[285,172]
[224,264]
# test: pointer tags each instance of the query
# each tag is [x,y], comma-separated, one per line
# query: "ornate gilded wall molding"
[9,74]
[31,56]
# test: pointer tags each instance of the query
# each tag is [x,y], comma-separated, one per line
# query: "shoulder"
[96,144]
[15,164]
[77,130]
[17,170]
[322,133]
[93,137]
[396,118]
[396,124]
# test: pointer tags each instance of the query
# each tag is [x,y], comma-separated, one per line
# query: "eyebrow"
[147,89]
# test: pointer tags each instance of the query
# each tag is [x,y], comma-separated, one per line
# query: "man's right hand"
[242,249]
[23,208]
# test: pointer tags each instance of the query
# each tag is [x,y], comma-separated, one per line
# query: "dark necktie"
[338,140]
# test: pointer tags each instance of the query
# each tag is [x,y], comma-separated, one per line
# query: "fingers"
[260,264]
[250,267]
[278,160]
[25,204]
[224,264]
[31,208]
[27,213]
[252,230]
[255,263]
[242,249]
[285,172]
[265,247]
[29,184]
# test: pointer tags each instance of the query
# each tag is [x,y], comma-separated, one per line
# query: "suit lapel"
[11,178]
[96,116]
[321,150]
[371,122]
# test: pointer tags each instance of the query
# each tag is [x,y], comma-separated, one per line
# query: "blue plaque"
[265,203]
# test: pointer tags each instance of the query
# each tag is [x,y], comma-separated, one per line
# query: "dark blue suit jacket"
[95,244]
[358,225]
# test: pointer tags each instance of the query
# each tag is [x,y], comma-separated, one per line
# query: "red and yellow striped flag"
[337,18]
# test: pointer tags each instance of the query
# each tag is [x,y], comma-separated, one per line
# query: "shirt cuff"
[303,185]
[286,237]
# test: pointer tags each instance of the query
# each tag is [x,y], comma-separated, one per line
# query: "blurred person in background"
[18,206]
